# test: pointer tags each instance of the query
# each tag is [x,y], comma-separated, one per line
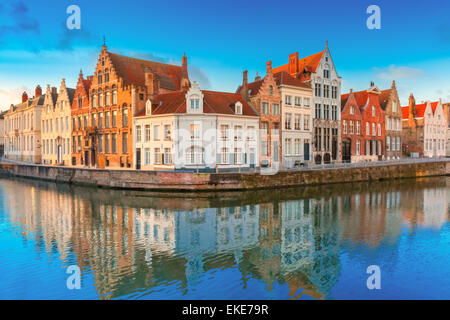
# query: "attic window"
[352,110]
[238,108]
[271,90]
[141,96]
[195,104]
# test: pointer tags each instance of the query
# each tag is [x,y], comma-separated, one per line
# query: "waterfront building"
[390,103]
[296,120]
[56,125]
[446,107]
[424,129]
[320,72]
[265,97]
[2,133]
[23,129]
[119,90]
[363,126]
[83,141]
[196,129]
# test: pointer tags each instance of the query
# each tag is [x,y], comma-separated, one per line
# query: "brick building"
[363,126]
[424,129]
[319,71]
[120,88]
[390,103]
[265,97]
[83,140]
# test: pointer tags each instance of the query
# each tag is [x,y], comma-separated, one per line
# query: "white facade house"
[319,71]
[435,130]
[196,130]
[296,120]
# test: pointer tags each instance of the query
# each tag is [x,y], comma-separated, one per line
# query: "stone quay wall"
[188,181]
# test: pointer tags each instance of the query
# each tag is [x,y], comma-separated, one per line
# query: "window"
[108,98]
[106,143]
[147,133]
[167,132]
[298,101]
[114,118]
[326,74]
[297,123]
[326,113]
[107,119]
[265,108]
[80,102]
[318,90]
[394,106]
[237,133]
[379,130]
[398,143]
[318,111]
[114,97]
[195,104]
[138,133]
[388,143]
[288,100]
[156,158]
[344,123]
[358,147]
[100,100]
[358,127]
[367,129]
[124,142]
[195,131]
[224,156]
[374,130]
[287,121]
[307,102]
[275,109]
[114,143]
[79,144]
[334,114]
[297,147]
[147,156]
[251,134]
[155,132]
[125,117]
[100,120]
[238,108]
[287,146]
[85,122]
[352,129]
[326,91]
[271,90]
[100,143]
[333,92]
[306,122]
[141,96]
[352,110]
[94,120]
[224,132]
[167,156]
[74,145]
[373,111]
[265,127]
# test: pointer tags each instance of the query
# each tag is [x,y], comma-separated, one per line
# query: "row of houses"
[140,114]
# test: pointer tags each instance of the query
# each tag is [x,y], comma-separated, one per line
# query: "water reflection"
[291,241]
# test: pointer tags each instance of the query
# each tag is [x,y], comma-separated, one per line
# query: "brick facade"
[390,103]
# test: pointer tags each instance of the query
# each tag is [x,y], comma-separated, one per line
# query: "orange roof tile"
[285,78]
[420,108]
[308,64]
[214,102]
[132,71]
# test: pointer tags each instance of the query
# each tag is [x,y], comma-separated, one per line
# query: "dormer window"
[238,108]
[195,104]
[148,107]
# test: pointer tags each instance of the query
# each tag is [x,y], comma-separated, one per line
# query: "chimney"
[24,97]
[38,91]
[257,78]
[244,87]
[372,84]
[185,83]
[412,107]
[54,90]
[293,63]
[269,67]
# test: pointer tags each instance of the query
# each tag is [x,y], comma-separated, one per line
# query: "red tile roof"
[361,98]
[384,97]
[132,71]
[285,78]
[420,108]
[308,64]
[213,102]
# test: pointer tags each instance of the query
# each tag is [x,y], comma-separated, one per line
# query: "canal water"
[305,243]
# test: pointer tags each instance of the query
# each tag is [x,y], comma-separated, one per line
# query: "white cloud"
[399,72]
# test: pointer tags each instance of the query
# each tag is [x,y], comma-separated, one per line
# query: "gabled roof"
[420,109]
[384,98]
[132,71]
[213,102]
[308,64]
[284,78]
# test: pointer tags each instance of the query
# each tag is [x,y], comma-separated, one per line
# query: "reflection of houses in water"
[237,228]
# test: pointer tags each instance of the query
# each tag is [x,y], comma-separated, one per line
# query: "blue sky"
[222,38]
